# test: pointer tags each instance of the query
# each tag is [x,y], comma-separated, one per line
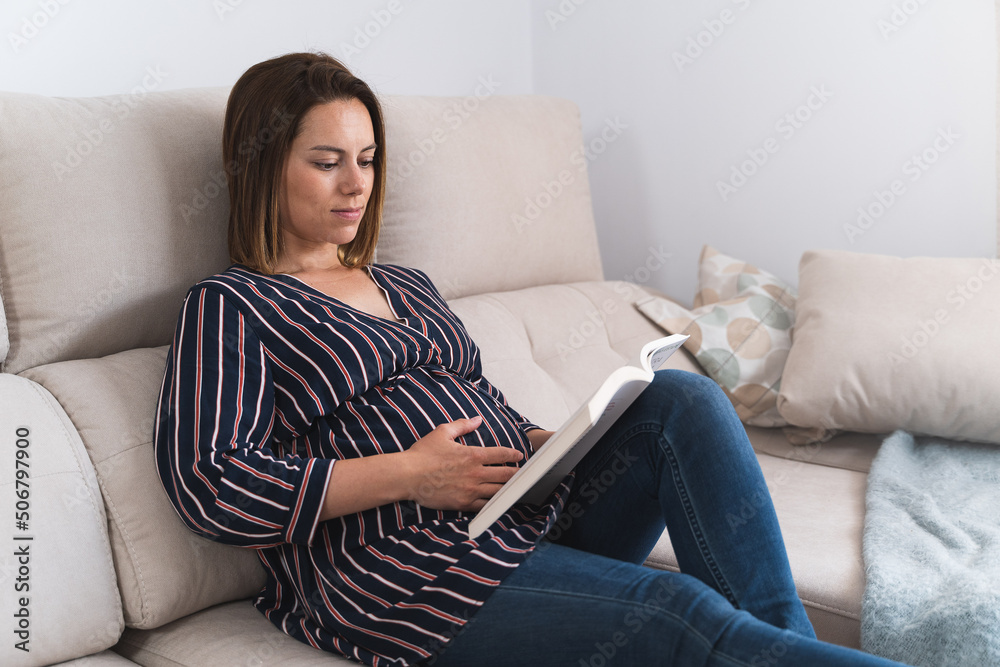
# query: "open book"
[537,478]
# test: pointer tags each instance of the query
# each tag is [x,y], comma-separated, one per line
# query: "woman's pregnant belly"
[392,416]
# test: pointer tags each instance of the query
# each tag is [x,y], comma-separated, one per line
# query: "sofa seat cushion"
[164,570]
[549,348]
[103,659]
[848,450]
[821,511]
[234,633]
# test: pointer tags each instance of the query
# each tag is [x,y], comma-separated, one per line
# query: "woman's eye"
[367,163]
[325,166]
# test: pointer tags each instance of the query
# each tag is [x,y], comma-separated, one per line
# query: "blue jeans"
[678,458]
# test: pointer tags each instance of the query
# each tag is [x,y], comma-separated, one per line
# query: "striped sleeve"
[214,428]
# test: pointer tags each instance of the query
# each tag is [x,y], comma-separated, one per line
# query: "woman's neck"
[327,263]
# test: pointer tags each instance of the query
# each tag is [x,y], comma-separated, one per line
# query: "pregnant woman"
[331,413]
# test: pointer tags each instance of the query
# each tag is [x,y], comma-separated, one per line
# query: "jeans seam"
[637,429]
[695,525]
[609,453]
[682,492]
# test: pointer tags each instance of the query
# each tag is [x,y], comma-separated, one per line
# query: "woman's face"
[328,176]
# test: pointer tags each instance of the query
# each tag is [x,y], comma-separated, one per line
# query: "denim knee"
[684,389]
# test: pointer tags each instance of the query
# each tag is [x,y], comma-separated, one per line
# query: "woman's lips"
[349,213]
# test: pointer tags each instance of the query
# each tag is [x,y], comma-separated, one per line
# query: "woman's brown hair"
[263,116]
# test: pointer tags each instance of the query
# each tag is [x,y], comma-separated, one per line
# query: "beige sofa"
[110,208]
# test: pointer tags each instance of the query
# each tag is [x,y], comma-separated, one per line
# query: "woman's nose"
[353,182]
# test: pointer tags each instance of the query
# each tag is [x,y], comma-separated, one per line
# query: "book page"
[655,352]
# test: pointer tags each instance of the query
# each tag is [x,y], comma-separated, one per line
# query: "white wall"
[885,96]
[674,132]
[104,47]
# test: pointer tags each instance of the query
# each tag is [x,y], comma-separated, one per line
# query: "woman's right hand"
[445,474]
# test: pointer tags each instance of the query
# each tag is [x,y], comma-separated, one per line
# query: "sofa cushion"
[164,570]
[883,343]
[228,634]
[740,331]
[65,570]
[139,217]
[4,337]
[549,348]
[103,659]
[488,194]
[846,450]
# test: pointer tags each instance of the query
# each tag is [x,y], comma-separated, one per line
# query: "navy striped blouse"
[269,382]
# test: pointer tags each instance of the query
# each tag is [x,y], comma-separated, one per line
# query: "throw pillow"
[740,331]
[884,343]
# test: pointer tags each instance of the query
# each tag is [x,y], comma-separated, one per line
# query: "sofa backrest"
[111,207]
[109,213]
[488,195]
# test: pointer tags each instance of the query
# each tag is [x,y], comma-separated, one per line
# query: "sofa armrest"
[61,595]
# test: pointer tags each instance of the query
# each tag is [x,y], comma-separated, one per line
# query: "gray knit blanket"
[932,553]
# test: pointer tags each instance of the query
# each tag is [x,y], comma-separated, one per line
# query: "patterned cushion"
[740,331]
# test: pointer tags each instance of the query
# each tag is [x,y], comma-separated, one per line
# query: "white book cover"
[537,478]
